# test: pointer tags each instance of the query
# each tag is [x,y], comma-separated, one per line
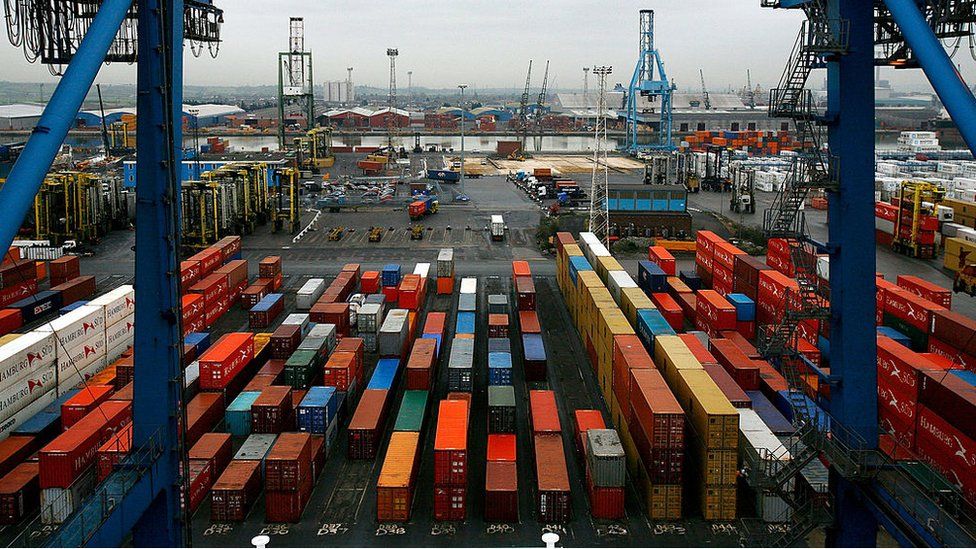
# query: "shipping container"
[235,491]
[317,410]
[309,293]
[288,465]
[366,425]
[535,357]
[213,448]
[451,444]
[501,491]
[553,488]
[460,365]
[385,374]
[273,411]
[605,459]
[413,411]
[501,409]
[19,493]
[237,417]
[398,477]
[420,365]
[544,413]
[221,363]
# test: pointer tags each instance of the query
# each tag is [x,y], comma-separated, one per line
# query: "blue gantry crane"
[868,488]
[650,81]
[143,495]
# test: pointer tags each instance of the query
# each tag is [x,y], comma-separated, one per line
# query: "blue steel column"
[59,115]
[938,67]
[853,344]
[158,374]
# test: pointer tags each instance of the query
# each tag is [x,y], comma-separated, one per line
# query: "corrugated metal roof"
[679,101]
[21,110]
[209,109]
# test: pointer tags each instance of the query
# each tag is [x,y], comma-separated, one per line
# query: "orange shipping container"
[395,487]
[628,354]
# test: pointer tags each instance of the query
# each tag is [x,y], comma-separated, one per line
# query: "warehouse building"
[19,116]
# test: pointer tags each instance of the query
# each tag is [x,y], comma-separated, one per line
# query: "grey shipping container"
[467,303]
[393,333]
[326,332]
[370,319]
[377,299]
[498,304]
[499,345]
[309,293]
[445,263]
[606,458]
[298,319]
[256,446]
[370,341]
[462,353]
[501,409]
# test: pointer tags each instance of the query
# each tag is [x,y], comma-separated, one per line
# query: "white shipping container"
[16,396]
[298,319]
[118,304]
[80,357]
[759,444]
[944,213]
[309,293]
[75,380]
[422,269]
[393,332]
[77,326]
[27,352]
[469,285]
[120,332]
[326,332]
[619,280]
[57,504]
[966,233]
[445,263]
[823,267]
[370,318]
[10,424]
[114,353]
[191,373]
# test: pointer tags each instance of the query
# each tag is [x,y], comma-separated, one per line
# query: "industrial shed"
[19,116]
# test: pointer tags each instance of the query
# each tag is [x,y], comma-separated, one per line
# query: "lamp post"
[461,87]
[195,113]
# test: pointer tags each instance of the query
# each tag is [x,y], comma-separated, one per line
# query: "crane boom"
[524,109]
[707,100]
[750,92]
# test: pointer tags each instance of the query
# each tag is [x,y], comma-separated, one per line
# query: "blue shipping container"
[769,414]
[45,424]
[578,263]
[535,349]
[650,324]
[68,308]
[385,374]
[317,410]
[499,376]
[650,277]
[238,414]
[500,360]
[892,333]
[198,340]
[437,338]
[391,275]
[267,302]
[465,323]
[965,375]
[38,305]
[745,307]
[691,279]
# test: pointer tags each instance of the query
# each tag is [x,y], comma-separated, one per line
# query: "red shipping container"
[910,308]
[501,491]
[288,465]
[771,302]
[746,275]
[420,364]
[748,348]
[926,290]
[520,268]
[83,402]
[229,246]
[216,310]
[409,292]
[209,260]
[189,274]
[285,340]
[10,320]
[663,258]
[553,504]
[16,292]
[14,273]
[956,330]
[255,293]
[201,479]
[722,279]
[502,447]
[286,506]
[445,285]
[237,488]
[273,411]
[697,349]
[714,313]
[213,288]
[746,329]
[451,444]
[705,247]
[213,448]
[497,325]
[269,267]
[732,391]
[339,370]
[370,282]
[19,493]
[743,369]
[670,310]
[951,397]
[73,451]
[65,267]
[525,293]
[545,414]
[221,363]
[723,254]
[434,324]
[605,503]
[366,425]
[356,346]
[586,420]
[193,307]
[450,502]
[15,449]
[529,322]
[948,449]
[113,451]
[203,413]
[959,358]
[75,289]
[654,408]
[628,354]
[390,293]
[332,313]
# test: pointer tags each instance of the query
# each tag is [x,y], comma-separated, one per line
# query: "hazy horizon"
[488,44]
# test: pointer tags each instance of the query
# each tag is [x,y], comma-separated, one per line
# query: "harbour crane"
[706,100]
[523,115]
[750,91]
[651,81]
[541,102]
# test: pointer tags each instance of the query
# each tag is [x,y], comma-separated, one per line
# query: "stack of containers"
[445,271]
[269,273]
[309,293]
[318,414]
[553,505]
[398,475]
[366,425]
[434,326]
[216,296]
[288,477]
[369,319]
[394,333]
[762,450]
[64,269]
[236,271]
[745,314]
[80,344]
[273,411]
[656,425]
[714,313]
[239,486]
[420,364]
[501,479]
[606,473]
[460,366]
[266,311]
[501,409]
[370,282]
[451,460]
[207,460]
[237,417]
[390,278]
[120,320]
[663,258]
[779,256]
[705,255]
[723,266]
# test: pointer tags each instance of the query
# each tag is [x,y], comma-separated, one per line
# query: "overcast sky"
[487,43]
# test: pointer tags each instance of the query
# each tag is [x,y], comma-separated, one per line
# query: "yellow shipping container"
[958,247]
[711,415]
[961,208]
[584,281]
[953,263]
[572,250]
[612,322]
[663,501]
[717,467]
[634,465]
[670,355]
[605,264]
[632,299]
[718,502]
[8,338]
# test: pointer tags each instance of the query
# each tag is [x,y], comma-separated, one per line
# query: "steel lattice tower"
[295,79]
[599,211]
[586,87]
[392,122]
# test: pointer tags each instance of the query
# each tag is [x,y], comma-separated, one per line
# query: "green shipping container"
[413,409]
[300,369]
[920,339]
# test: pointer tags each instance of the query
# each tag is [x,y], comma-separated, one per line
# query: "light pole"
[195,113]
[462,86]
